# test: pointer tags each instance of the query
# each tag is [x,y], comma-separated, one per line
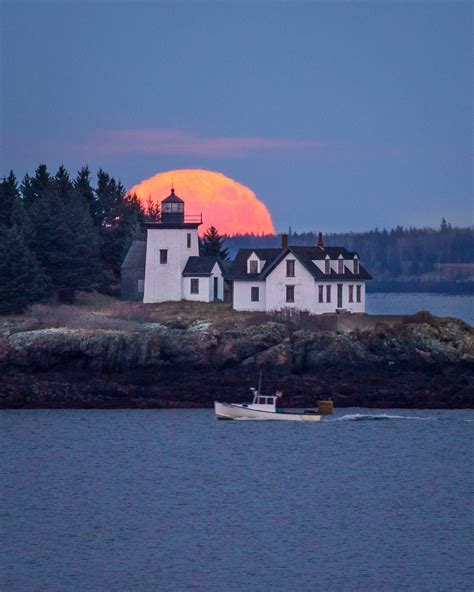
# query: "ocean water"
[443,305]
[154,500]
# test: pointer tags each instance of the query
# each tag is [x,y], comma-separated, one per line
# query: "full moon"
[224,203]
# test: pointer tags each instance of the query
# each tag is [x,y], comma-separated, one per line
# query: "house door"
[216,288]
[339,295]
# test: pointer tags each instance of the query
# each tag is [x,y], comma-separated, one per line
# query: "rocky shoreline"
[419,362]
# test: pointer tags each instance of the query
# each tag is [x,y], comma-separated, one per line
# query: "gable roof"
[305,255]
[135,258]
[202,265]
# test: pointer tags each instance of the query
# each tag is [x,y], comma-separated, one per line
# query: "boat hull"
[234,411]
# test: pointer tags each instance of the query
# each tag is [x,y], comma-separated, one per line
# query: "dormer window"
[356,266]
[327,266]
[340,266]
[253,266]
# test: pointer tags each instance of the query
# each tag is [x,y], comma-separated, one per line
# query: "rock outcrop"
[421,362]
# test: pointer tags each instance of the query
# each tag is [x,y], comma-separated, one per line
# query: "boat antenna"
[260,382]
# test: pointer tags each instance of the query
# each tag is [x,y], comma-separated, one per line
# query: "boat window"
[270,401]
[262,400]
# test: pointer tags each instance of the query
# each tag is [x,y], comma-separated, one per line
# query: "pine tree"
[212,244]
[152,210]
[120,219]
[22,281]
[33,188]
[63,184]
[66,243]
[9,194]
[82,185]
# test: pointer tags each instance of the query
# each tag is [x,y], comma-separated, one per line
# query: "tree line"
[59,234]
[386,253]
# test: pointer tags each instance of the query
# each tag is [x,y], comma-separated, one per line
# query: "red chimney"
[320,241]
[284,242]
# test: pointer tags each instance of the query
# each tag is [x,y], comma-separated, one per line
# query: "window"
[254,293]
[163,256]
[188,240]
[327,266]
[328,293]
[141,286]
[290,293]
[351,293]
[340,266]
[321,294]
[359,293]
[290,268]
[194,285]
[356,266]
[269,400]
[253,267]
[261,400]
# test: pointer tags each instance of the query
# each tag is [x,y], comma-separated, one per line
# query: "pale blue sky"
[340,116]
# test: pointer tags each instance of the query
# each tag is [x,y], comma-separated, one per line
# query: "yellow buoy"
[325,407]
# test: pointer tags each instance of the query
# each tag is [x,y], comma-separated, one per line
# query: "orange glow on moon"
[226,204]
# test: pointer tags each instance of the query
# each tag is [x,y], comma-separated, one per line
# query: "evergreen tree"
[22,281]
[120,218]
[82,185]
[212,244]
[152,210]
[9,194]
[66,243]
[33,188]
[63,184]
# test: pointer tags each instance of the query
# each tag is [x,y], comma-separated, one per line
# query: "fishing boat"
[265,407]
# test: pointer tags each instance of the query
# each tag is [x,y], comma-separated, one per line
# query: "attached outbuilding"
[203,279]
[132,281]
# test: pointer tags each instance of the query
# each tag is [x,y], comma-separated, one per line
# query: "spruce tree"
[212,244]
[33,188]
[82,185]
[9,194]
[63,184]
[66,243]
[22,281]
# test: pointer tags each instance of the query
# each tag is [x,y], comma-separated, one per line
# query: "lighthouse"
[171,241]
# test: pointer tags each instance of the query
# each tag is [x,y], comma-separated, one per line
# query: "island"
[187,354]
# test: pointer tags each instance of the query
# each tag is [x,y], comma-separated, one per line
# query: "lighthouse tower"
[170,242]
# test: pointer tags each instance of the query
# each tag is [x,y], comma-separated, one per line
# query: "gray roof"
[135,258]
[202,265]
[172,198]
[305,255]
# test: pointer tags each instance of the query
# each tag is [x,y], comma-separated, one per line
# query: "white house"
[317,279]
[168,267]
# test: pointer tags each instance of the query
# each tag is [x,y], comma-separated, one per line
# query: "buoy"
[325,407]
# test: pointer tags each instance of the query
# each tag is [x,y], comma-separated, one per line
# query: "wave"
[379,417]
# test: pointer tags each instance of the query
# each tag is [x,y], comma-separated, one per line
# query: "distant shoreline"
[420,286]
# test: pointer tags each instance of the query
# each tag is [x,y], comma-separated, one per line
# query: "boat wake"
[379,417]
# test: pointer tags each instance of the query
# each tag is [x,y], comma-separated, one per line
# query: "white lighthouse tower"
[171,240]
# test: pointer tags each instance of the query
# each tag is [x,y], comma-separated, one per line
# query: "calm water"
[443,305]
[175,501]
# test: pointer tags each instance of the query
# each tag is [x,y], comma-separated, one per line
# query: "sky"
[340,116]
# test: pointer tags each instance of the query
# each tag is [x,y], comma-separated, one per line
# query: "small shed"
[132,282]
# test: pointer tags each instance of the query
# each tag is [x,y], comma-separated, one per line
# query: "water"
[132,500]
[443,305]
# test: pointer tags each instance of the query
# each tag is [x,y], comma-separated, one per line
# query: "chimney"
[320,241]
[284,242]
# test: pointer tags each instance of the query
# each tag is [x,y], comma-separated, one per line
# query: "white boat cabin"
[261,402]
